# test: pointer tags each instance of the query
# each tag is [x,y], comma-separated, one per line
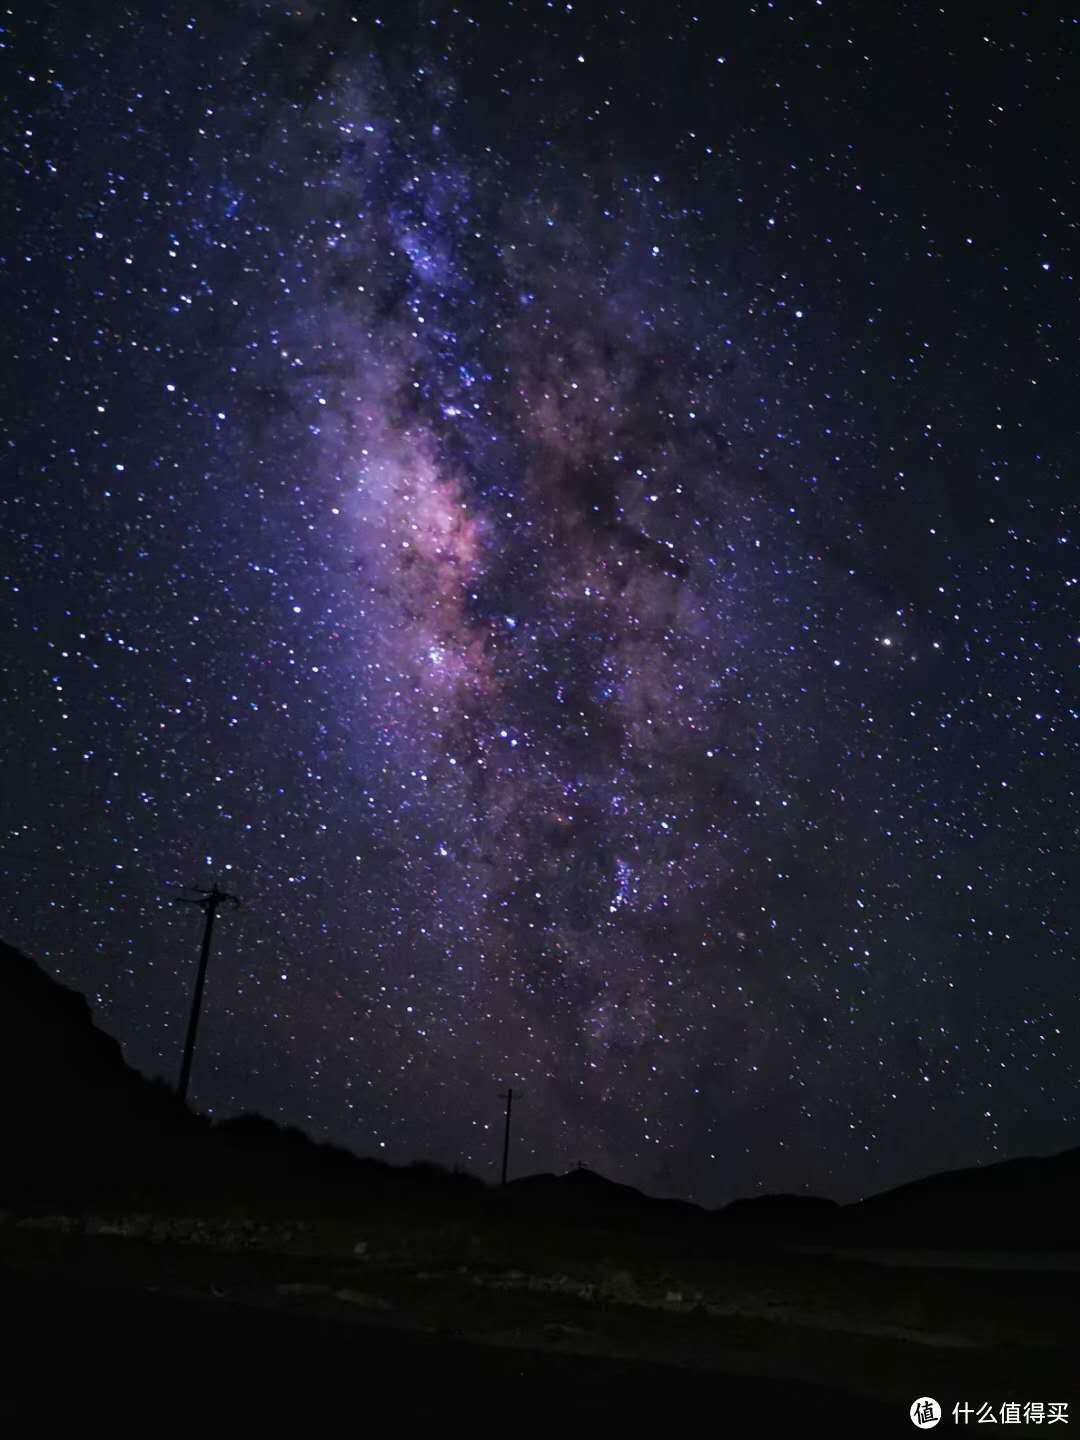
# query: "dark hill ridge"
[81,1128]
[757,1206]
[1007,1179]
[1029,1202]
[74,1113]
[59,1063]
[584,1196]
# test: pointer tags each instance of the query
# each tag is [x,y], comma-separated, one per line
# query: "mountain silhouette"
[754,1207]
[82,1128]
[76,1116]
[586,1197]
[1028,1203]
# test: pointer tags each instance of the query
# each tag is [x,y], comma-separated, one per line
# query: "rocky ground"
[539,1319]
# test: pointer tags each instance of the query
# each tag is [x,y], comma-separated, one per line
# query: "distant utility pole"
[208,902]
[506,1134]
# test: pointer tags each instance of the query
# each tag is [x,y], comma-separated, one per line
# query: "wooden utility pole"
[506,1134]
[208,902]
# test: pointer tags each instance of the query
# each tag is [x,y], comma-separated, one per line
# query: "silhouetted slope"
[75,1115]
[584,1197]
[1030,1203]
[783,1207]
[267,1166]
[1044,1175]
[82,1128]
[1013,1204]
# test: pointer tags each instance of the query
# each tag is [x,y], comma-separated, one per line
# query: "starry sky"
[568,511]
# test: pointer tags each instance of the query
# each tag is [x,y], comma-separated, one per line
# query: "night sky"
[569,513]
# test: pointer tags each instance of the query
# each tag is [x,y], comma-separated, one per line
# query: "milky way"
[538,534]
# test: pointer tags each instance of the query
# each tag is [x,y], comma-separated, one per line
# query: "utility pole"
[506,1134]
[208,903]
